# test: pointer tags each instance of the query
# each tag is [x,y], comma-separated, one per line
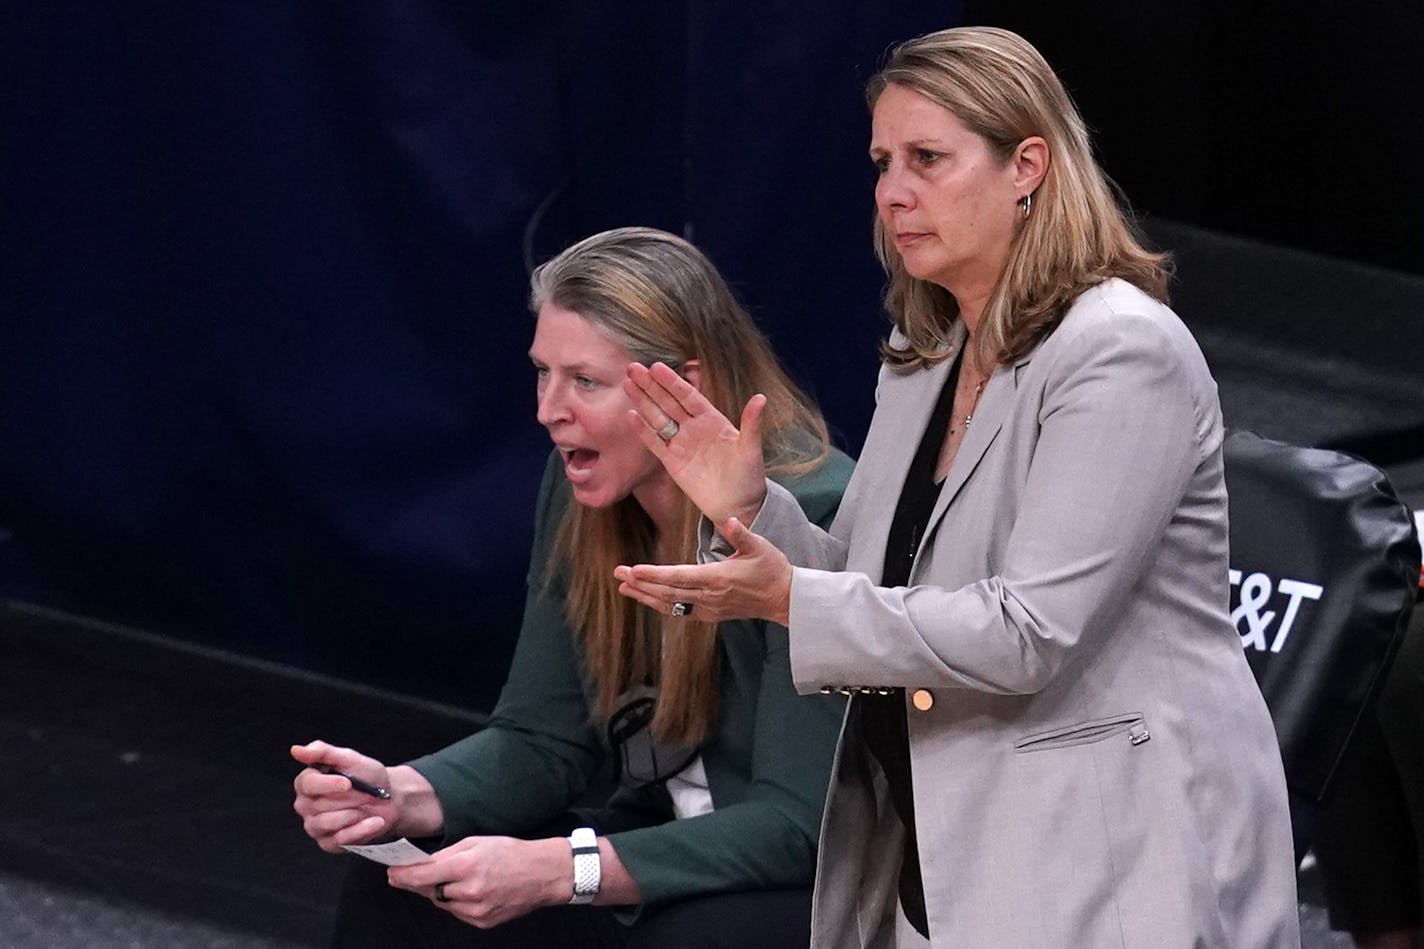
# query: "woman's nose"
[552,407]
[891,190]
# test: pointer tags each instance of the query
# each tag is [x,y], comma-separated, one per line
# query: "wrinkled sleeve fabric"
[540,749]
[782,520]
[766,839]
[1121,431]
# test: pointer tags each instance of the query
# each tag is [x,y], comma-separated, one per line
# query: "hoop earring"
[1026,205]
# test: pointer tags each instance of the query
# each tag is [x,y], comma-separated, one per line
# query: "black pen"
[365,787]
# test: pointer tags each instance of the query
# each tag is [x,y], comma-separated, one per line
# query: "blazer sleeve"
[1121,430]
[782,521]
[540,749]
[767,838]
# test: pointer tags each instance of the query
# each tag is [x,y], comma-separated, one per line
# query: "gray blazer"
[1093,763]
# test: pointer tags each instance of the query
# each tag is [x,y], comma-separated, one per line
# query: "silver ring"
[668,431]
[681,608]
[440,896]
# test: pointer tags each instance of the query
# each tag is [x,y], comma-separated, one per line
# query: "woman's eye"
[541,373]
[584,382]
[882,164]
[927,157]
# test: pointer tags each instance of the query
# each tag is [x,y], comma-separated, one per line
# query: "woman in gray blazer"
[1055,740]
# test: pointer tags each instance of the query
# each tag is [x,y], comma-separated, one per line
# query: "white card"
[397,853]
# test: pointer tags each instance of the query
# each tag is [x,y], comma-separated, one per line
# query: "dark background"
[262,265]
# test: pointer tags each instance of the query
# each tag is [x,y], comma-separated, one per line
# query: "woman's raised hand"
[716,464]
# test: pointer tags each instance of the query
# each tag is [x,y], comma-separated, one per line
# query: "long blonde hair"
[662,300]
[1077,234]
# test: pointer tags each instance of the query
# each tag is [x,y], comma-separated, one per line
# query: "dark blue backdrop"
[263,288]
[262,264]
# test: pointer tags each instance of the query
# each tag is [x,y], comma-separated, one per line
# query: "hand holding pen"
[343,796]
[356,783]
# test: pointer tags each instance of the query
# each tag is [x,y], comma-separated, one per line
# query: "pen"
[365,787]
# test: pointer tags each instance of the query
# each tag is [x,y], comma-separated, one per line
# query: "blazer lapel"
[906,403]
[989,415]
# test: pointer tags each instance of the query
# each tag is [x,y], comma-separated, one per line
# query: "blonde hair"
[662,300]
[1077,234]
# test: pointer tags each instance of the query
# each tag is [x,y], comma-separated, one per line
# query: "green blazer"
[767,761]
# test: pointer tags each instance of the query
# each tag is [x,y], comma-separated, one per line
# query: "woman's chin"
[926,271]
[591,494]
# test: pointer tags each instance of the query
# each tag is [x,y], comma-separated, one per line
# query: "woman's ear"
[1030,162]
[692,372]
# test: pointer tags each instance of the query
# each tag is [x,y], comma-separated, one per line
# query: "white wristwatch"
[588,871]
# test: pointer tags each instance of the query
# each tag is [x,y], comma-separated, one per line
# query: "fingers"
[485,881]
[651,396]
[751,419]
[740,536]
[647,418]
[336,819]
[663,592]
[755,582]
[333,813]
[685,399]
[312,782]
[311,752]
[319,792]
[322,799]
[653,409]
[668,577]
[319,752]
[419,875]
[647,435]
[446,874]
[334,830]
[641,588]
[661,585]
[661,395]
[328,823]
[320,757]
[653,596]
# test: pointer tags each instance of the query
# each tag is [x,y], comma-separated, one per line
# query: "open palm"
[717,465]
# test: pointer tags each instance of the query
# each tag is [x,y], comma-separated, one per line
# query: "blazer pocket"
[1133,725]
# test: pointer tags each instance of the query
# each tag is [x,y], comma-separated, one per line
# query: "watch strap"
[588,869]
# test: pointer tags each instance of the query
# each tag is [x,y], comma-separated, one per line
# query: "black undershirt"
[882,717]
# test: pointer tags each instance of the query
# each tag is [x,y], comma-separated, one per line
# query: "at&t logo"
[1254,593]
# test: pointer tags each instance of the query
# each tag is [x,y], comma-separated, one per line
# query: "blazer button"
[923,699]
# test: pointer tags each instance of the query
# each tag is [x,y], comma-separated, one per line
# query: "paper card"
[396,853]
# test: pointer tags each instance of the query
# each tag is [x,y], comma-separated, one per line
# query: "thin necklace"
[974,406]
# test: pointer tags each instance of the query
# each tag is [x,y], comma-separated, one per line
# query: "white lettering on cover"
[1256,591]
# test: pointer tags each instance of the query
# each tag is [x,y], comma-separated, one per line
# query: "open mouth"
[578,462]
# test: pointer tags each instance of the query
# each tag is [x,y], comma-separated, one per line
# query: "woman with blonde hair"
[721,766]
[1054,740]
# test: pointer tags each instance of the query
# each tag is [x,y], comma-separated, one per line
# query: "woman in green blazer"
[721,766]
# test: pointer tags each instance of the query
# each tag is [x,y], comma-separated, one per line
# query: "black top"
[881,718]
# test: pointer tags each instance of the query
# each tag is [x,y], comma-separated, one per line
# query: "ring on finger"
[681,608]
[668,431]
[440,896]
